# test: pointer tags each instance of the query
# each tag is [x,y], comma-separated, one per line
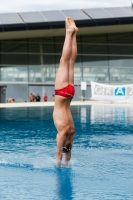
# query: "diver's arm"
[60,140]
[67,157]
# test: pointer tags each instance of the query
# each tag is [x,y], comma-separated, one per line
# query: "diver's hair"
[66,149]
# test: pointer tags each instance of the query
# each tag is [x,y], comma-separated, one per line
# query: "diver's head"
[66,148]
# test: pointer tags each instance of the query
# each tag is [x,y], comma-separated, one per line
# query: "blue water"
[101,167]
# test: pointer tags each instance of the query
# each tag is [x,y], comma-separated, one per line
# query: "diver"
[64,92]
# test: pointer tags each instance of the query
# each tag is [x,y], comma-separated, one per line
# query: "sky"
[15,6]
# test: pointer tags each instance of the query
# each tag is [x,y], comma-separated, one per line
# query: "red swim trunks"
[67,92]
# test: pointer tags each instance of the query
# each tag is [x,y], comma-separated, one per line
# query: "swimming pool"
[101,167]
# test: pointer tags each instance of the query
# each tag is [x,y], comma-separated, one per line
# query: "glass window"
[119,61]
[77,74]
[95,61]
[36,73]
[79,44]
[14,74]
[59,41]
[14,46]
[78,70]
[120,44]
[41,74]
[11,52]
[50,68]
[94,49]
[120,49]
[94,38]
[57,60]
[99,74]
[48,45]
[121,74]
[95,68]
[45,72]
[35,40]
[49,74]
[34,47]
[14,59]
[35,59]
[94,44]
[120,38]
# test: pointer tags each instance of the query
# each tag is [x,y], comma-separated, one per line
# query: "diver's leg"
[62,76]
[72,58]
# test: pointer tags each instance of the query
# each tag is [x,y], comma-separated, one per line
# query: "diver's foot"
[71,21]
[70,25]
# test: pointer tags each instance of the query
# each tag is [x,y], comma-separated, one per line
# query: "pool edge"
[74,103]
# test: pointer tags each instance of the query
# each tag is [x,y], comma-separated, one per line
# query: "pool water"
[101,167]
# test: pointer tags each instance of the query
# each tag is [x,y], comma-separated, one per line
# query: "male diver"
[64,92]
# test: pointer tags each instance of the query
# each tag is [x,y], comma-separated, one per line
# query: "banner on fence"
[103,92]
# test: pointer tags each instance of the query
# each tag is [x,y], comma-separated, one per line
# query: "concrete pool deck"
[74,103]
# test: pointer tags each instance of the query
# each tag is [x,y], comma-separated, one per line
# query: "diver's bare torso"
[61,113]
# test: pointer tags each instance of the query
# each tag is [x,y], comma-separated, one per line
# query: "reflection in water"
[120,115]
[83,117]
[64,184]
[111,114]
